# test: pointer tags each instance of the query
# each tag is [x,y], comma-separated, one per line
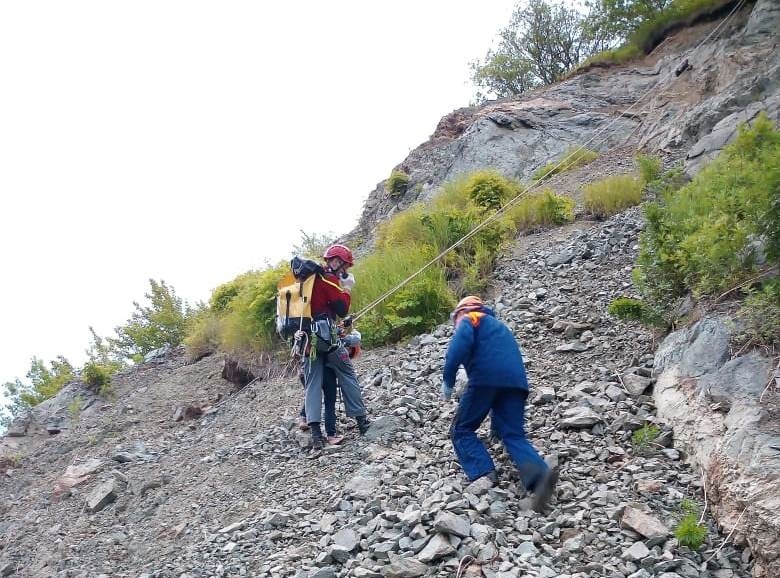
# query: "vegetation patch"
[629,309]
[397,183]
[718,230]
[573,157]
[612,195]
[688,531]
[644,436]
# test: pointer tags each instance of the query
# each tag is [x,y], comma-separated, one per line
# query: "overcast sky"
[191,141]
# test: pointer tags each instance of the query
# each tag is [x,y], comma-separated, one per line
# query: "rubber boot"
[363,424]
[317,443]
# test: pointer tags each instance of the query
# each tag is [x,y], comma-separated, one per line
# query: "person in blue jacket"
[497,383]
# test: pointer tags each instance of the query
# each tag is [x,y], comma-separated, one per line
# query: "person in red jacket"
[329,301]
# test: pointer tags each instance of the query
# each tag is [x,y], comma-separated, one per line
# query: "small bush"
[203,334]
[417,307]
[634,310]
[650,168]
[612,195]
[249,323]
[573,157]
[688,531]
[760,315]
[700,238]
[555,209]
[644,436]
[544,208]
[98,376]
[615,56]
[489,189]
[74,408]
[397,183]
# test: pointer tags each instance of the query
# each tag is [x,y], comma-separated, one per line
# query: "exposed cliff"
[728,72]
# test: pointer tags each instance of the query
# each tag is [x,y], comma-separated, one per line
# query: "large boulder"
[727,430]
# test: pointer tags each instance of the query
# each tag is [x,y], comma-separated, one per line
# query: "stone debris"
[237,496]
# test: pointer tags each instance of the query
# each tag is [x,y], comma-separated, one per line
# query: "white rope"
[525,192]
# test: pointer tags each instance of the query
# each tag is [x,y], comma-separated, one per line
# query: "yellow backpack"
[293,299]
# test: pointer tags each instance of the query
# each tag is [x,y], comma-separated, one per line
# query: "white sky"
[190,141]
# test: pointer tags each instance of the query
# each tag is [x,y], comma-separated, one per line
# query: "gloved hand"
[347,283]
[446,392]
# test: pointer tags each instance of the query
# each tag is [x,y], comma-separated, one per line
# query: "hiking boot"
[363,424]
[317,444]
[545,490]
[302,425]
[334,440]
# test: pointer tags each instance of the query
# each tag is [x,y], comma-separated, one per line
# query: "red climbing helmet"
[340,251]
[470,303]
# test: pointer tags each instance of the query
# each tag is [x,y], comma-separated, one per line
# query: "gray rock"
[573,346]
[384,426]
[405,568]
[644,524]
[451,524]
[438,547]
[101,496]
[578,417]
[636,552]
[347,538]
[635,384]
[365,484]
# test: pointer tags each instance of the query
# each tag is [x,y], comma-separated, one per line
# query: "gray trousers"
[314,372]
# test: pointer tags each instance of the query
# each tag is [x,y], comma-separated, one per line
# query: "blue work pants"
[508,416]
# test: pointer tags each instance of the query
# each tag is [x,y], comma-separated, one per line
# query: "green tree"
[618,19]
[542,42]
[44,381]
[151,326]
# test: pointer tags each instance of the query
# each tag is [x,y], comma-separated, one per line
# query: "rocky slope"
[729,70]
[177,475]
[236,492]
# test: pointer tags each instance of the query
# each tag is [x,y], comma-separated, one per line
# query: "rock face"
[714,405]
[730,79]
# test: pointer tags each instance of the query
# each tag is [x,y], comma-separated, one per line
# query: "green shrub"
[650,168]
[612,195]
[644,436]
[573,157]
[760,315]
[611,57]
[98,376]
[489,189]
[635,310]
[249,323]
[43,382]
[540,209]
[701,237]
[203,334]
[688,531]
[555,209]
[397,183]
[417,307]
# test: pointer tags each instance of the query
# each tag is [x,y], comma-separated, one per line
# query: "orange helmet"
[470,303]
[340,251]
